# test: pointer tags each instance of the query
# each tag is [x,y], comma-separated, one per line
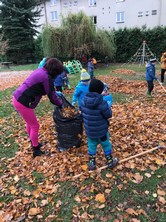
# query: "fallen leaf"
[33,211]
[131,211]
[77,198]
[84,167]
[162,200]
[138,178]
[100,198]
[161,192]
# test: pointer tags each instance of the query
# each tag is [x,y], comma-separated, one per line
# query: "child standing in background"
[150,75]
[94,62]
[59,81]
[106,96]
[91,68]
[82,88]
[96,112]
[66,79]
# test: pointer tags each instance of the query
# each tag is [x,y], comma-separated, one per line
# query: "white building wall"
[136,13]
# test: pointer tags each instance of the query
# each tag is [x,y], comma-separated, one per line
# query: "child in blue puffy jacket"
[150,75]
[81,89]
[96,112]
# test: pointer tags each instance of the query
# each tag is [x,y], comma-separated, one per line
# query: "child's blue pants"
[105,143]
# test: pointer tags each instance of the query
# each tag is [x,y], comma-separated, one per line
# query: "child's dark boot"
[111,162]
[92,162]
[37,151]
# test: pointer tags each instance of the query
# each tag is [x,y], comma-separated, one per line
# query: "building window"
[92,2]
[54,16]
[154,12]
[120,17]
[94,20]
[53,2]
[147,13]
[75,3]
[65,4]
[70,4]
[140,14]
[120,0]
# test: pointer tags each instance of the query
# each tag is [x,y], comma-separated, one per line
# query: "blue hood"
[92,99]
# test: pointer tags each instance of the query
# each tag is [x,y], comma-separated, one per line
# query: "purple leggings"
[32,125]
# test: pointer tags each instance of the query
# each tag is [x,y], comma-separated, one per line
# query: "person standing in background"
[163,66]
[91,68]
[81,89]
[150,75]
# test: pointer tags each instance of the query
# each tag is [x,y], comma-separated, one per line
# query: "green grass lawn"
[75,200]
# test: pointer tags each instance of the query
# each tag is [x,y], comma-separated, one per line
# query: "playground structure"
[142,55]
[74,66]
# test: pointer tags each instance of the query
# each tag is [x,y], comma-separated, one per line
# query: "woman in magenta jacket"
[27,96]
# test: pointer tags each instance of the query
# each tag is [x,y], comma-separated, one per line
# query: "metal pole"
[143,53]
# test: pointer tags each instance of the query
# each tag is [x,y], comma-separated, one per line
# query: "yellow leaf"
[84,167]
[159,162]
[16,178]
[100,198]
[33,211]
[12,189]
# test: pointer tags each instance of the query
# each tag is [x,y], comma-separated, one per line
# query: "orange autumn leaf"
[161,192]
[33,211]
[138,178]
[162,200]
[159,162]
[84,167]
[131,211]
[100,198]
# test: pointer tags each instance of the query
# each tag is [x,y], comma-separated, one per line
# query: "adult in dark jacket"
[150,75]
[96,112]
[27,96]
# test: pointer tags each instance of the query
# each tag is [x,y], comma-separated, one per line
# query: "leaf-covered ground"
[32,189]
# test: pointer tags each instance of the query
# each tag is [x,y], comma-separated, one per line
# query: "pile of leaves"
[135,127]
[14,78]
[123,71]
[136,88]
[69,112]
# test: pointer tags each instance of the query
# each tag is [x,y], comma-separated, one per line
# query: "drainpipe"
[45,12]
[159,17]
